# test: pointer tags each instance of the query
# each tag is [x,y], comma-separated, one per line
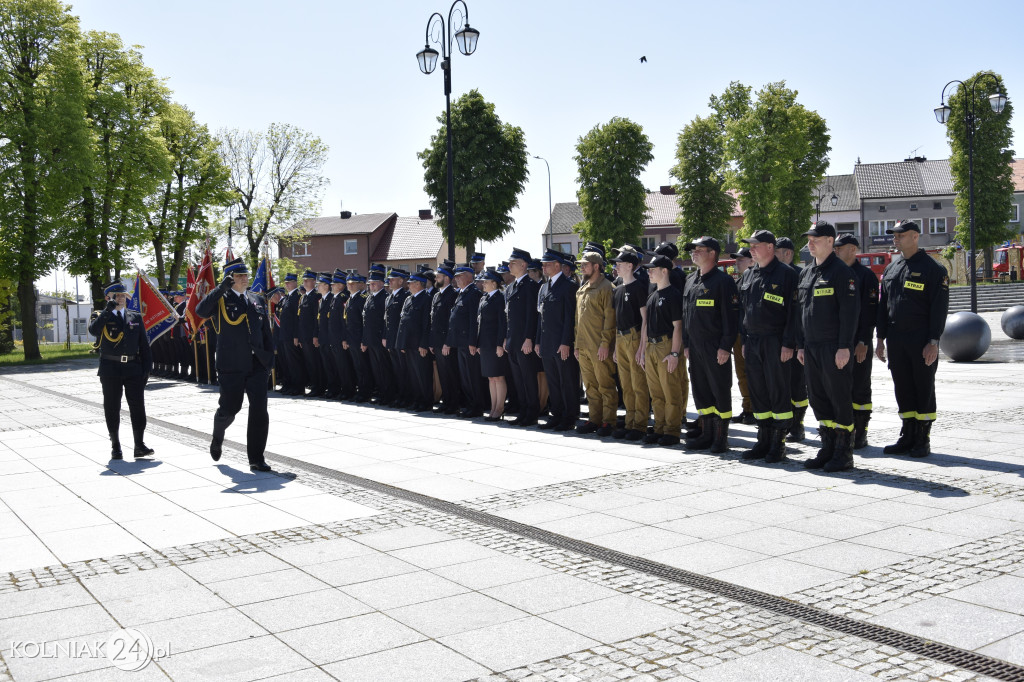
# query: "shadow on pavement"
[248,483]
[127,467]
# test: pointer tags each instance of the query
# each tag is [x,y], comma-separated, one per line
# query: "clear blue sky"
[347,72]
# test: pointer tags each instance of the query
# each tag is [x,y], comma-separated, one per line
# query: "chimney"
[425,214]
[345,215]
[668,189]
[918,159]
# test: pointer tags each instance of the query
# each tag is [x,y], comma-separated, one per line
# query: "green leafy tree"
[993,179]
[777,151]
[705,205]
[277,179]
[124,103]
[490,171]
[8,291]
[610,159]
[44,144]
[179,211]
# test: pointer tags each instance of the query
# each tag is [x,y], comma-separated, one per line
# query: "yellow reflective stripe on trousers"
[908,415]
[922,417]
[827,423]
[714,410]
[706,411]
[782,415]
[858,406]
[842,426]
[724,415]
[800,403]
[762,415]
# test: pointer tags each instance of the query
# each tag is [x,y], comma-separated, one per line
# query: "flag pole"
[206,348]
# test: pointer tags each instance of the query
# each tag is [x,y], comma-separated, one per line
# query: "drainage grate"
[943,653]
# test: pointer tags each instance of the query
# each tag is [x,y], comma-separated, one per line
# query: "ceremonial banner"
[158,316]
[204,284]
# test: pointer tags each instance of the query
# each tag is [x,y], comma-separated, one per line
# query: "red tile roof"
[410,238]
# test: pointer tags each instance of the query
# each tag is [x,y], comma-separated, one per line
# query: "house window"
[877,228]
[351,247]
[937,205]
[81,326]
[913,207]
[936,226]
[300,248]
[563,247]
[881,208]
[1014,213]
[648,243]
[46,310]
[846,228]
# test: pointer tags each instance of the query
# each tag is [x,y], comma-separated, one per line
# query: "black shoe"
[495,418]
[115,453]
[908,434]
[471,414]
[566,426]
[604,431]
[260,467]
[548,425]
[652,438]
[668,441]
[215,448]
[922,446]
[142,451]
[620,433]
[587,427]
[520,421]
[747,417]
[634,435]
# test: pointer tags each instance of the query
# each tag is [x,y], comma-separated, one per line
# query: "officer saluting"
[911,316]
[125,364]
[245,355]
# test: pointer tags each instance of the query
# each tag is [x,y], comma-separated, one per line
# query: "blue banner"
[259,281]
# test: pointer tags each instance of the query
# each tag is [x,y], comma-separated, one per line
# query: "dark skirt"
[490,364]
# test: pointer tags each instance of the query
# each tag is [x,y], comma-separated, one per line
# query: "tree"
[44,143]
[705,205]
[610,159]
[777,151]
[993,179]
[124,103]
[277,179]
[490,171]
[178,212]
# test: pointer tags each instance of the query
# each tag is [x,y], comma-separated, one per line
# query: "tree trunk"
[6,330]
[27,299]
[989,255]
[158,250]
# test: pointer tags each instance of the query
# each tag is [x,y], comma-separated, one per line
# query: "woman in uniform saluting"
[125,364]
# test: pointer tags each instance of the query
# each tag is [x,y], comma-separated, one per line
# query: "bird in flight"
[643,60]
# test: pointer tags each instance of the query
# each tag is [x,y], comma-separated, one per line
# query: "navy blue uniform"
[392,317]
[373,334]
[521,312]
[294,370]
[245,356]
[345,381]
[441,304]
[126,361]
[492,330]
[308,323]
[413,335]
[462,335]
[557,327]
[362,376]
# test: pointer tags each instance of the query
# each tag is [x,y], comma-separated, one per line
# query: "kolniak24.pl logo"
[128,649]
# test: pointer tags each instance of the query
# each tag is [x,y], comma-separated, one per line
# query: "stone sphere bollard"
[1012,322]
[967,336]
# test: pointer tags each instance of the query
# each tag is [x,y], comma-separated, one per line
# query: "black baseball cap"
[904,226]
[845,239]
[660,261]
[784,243]
[742,253]
[708,242]
[627,257]
[667,249]
[821,229]
[760,237]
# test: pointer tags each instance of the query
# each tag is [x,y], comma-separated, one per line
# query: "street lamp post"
[551,218]
[822,191]
[997,101]
[466,37]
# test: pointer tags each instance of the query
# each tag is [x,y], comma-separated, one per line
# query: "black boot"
[828,444]
[796,429]
[922,446]
[215,446]
[906,440]
[720,443]
[706,437]
[115,446]
[777,442]
[141,450]
[842,457]
[860,428]
[692,429]
[764,433]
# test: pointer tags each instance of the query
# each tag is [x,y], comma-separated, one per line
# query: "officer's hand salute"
[227,283]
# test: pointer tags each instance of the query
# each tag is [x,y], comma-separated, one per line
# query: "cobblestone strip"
[898,585]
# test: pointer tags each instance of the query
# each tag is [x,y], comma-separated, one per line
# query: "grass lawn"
[51,352]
